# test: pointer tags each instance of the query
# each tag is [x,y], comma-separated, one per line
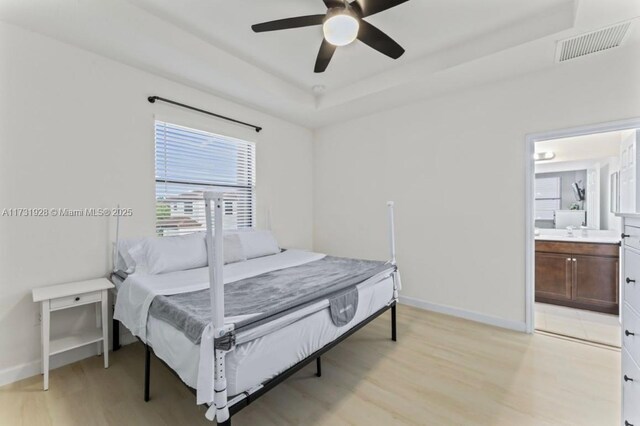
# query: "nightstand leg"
[105,328]
[45,343]
[98,325]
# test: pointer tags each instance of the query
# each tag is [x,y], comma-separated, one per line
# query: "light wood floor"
[579,323]
[442,371]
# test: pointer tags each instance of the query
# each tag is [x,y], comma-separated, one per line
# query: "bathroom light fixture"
[341,27]
[544,156]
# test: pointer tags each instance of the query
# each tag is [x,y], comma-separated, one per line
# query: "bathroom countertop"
[596,237]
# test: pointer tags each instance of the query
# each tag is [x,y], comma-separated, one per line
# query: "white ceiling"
[208,44]
[421,27]
[582,148]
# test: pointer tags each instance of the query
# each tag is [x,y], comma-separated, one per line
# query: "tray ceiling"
[208,44]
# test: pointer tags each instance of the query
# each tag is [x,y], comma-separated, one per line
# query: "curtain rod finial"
[258,129]
[151,99]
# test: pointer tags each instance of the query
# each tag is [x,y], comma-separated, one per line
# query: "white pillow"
[233,250]
[258,243]
[168,254]
[124,261]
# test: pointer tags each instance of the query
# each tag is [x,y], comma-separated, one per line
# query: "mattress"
[262,358]
[268,349]
[264,298]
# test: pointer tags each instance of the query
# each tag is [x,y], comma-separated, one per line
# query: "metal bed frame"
[222,408]
[246,398]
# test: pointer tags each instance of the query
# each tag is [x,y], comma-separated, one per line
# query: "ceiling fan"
[342,24]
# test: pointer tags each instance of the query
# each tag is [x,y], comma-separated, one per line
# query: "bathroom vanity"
[578,272]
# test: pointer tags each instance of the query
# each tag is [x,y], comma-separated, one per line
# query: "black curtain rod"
[153,99]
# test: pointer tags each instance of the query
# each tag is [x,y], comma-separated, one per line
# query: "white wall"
[76,131]
[455,166]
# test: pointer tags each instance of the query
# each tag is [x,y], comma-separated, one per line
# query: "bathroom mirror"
[614,197]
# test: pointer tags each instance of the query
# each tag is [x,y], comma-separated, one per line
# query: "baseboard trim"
[23,371]
[34,368]
[462,313]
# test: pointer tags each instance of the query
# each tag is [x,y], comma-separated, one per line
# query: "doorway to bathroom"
[578,180]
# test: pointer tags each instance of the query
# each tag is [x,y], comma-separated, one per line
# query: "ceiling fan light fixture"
[342,24]
[341,29]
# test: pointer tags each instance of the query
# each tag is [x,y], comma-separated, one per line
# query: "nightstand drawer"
[80,299]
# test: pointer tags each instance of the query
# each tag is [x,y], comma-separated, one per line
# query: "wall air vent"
[593,42]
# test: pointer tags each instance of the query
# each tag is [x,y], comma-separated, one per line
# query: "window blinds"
[190,162]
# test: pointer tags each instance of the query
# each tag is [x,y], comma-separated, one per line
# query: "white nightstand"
[64,296]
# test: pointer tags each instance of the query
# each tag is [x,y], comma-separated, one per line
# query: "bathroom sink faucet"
[584,231]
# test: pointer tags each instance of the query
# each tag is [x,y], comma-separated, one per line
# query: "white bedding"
[262,358]
[261,352]
[137,292]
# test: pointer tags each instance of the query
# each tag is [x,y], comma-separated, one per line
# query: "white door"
[593,197]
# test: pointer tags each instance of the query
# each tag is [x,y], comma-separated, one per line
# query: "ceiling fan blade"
[376,39]
[324,56]
[333,3]
[370,7]
[285,24]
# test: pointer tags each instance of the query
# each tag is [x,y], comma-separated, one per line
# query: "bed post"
[147,371]
[115,324]
[394,334]
[115,331]
[392,233]
[115,247]
[214,238]
[396,277]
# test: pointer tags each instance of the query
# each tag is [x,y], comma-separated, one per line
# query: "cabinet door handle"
[627,378]
[629,280]
[77,298]
[628,333]
[575,260]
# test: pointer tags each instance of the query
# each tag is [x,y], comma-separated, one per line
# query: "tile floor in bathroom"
[578,323]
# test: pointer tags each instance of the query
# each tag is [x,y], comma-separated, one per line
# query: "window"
[190,162]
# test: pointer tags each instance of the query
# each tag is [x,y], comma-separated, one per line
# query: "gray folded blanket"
[272,294]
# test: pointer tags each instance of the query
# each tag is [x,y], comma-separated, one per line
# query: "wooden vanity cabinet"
[579,275]
[553,276]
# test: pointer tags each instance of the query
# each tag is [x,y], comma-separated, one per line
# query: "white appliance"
[575,218]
